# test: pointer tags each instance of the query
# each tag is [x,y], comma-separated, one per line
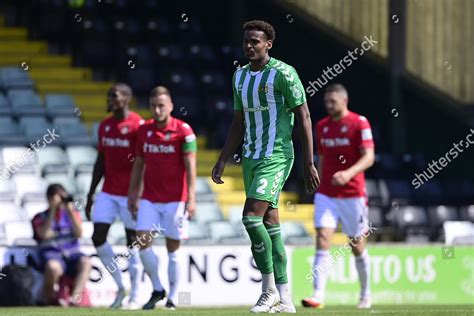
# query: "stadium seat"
[17,160]
[198,234]
[202,186]
[225,233]
[83,181]
[467,213]
[69,183]
[34,207]
[203,190]
[376,216]
[410,221]
[18,83]
[52,160]
[295,233]
[29,186]
[35,133]
[178,79]
[437,216]
[7,190]
[11,133]
[141,80]
[169,54]
[201,54]
[65,121]
[11,212]
[26,121]
[25,102]
[74,135]
[400,191]
[208,212]
[116,234]
[430,193]
[5,108]
[87,231]
[15,231]
[459,233]
[234,214]
[373,193]
[212,81]
[59,105]
[81,158]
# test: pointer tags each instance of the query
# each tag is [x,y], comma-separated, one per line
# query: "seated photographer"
[57,231]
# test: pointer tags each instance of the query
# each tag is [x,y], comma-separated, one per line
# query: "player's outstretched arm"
[136,184]
[97,175]
[311,176]
[234,138]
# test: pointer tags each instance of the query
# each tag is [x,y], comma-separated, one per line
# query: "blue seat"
[5,108]
[74,135]
[11,133]
[59,105]
[33,133]
[64,121]
[27,121]
[25,102]
[18,83]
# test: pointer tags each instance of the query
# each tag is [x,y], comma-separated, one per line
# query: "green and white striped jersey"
[267,98]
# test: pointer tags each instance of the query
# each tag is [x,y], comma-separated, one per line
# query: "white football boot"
[283,308]
[365,303]
[266,301]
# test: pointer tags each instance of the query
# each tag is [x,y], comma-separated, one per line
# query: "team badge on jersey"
[296,91]
[325,129]
[167,136]
[124,130]
[263,88]
[107,128]
[149,133]
[344,129]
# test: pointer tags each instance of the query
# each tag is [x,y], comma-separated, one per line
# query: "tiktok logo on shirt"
[158,149]
[115,142]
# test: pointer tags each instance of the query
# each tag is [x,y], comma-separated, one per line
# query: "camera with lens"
[68,198]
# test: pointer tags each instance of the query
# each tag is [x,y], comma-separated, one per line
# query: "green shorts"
[264,178]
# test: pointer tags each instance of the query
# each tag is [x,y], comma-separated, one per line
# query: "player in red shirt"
[116,150]
[345,150]
[166,150]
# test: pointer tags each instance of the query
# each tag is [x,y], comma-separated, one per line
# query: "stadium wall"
[226,275]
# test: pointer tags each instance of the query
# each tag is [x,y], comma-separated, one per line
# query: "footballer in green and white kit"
[268,95]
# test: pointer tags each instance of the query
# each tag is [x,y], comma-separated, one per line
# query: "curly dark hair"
[263,26]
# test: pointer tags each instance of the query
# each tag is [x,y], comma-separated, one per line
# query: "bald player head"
[118,98]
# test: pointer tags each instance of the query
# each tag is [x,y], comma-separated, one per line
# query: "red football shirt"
[163,150]
[117,142]
[339,142]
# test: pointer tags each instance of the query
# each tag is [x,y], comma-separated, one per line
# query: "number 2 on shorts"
[263,185]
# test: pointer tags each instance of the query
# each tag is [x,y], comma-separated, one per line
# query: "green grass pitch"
[432,310]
